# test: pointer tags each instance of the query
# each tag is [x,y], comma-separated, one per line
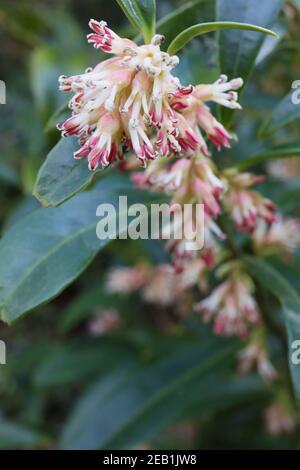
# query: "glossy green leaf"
[26,206]
[61,176]
[184,16]
[268,155]
[81,360]
[15,436]
[270,46]
[285,113]
[141,14]
[135,408]
[271,280]
[238,49]
[49,248]
[198,29]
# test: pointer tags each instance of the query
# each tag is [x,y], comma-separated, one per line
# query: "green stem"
[148,34]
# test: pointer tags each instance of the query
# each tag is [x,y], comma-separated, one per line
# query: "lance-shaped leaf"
[134,409]
[238,49]
[81,360]
[61,176]
[268,155]
[49,248]
[16,436]
[198,29]
[271,280]
[286,112]
[141,14]
[184,16]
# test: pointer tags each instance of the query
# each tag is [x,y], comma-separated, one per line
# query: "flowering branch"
[134,102]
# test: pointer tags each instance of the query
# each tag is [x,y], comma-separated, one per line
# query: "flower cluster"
[160,285]
[246,206]
[195,179]
[280,418]
[231,303]
[282,237]
[255,354]
[132,101]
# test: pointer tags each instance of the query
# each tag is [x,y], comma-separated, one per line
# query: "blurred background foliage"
[153,378]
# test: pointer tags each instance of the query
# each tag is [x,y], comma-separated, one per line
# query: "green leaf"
[285,113]
[184,16]
[133,409]
[15,436]
[25,207]
[49,248]
[61,176]
[141,14]
[238,49]
[265,156]
[198,29]
[271,280]
[81,360]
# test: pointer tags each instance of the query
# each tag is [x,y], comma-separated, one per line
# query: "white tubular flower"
[189,180]
[255,355]
[103,146]
[161,287]
[246,206]
[105,39]
[161,175]
[126,279]
[279,419]
[282,237]
[221,91]
[192,273]
[285,169]
[196,113]
[104,322]
[232,305]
